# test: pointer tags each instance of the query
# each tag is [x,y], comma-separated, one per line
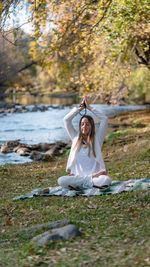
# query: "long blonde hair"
[90,138]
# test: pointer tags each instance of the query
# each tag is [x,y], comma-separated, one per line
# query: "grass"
[115,228]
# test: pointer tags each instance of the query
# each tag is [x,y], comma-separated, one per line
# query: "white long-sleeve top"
[78,161]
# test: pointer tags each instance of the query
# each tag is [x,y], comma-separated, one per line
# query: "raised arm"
[68,122]
[102,130]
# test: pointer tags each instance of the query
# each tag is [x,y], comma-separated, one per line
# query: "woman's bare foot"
[70,187]
[103,187]
[44,191]
[101,172]
[74,188]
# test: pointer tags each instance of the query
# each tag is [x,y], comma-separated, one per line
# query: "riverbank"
[23,128]
[6,108]
[115,228]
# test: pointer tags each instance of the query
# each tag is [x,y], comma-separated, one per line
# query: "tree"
[80,27]
[14,60]
[93,43]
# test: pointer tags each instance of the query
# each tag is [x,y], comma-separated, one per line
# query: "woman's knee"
[102,180]
[60,180]
[63,181]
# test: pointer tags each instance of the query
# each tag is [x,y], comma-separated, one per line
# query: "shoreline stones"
[38,152]
[6,108]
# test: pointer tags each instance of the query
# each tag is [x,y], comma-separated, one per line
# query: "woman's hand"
[84,104]
[97,174]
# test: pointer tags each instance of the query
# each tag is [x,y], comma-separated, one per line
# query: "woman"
[85,159]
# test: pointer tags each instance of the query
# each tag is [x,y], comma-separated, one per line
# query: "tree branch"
[104,13]
[143,61]
[27,66]
[79,14]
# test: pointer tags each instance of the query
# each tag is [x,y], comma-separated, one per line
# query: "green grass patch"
[115,228]
[114,136]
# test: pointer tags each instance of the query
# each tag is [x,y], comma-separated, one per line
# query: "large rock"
[45,146]
[57,149]
[22,151]
[9,146]
[38,156]
[39,108]
[5,105]
[47,226]
[63,233]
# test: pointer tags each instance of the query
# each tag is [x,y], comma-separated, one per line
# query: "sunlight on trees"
[90,46]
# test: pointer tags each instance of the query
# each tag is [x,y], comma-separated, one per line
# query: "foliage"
[128,29]
[95,42]
[91,45]
[139,83]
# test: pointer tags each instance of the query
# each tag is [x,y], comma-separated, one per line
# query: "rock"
[68,146]
[11,110]
[144,142]
[61,106]
[51,152]
[24,109]
[43,108]
[139,125]
[63,233]
[45,147]
[39,108]
[9,146]
[62,150]
[36,155]
[56,148]
[34,109]
[113,125]
[48,226]
[22,151]
[6,105]
[37,152]
[45,157]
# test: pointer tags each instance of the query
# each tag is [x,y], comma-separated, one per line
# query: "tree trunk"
[3,86]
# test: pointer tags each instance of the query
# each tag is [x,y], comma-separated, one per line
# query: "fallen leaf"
[63,249]
[23,211]
[92,206]
[8,222]
[40,178]
[33,257]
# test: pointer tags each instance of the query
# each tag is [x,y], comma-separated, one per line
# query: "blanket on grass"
[115,188]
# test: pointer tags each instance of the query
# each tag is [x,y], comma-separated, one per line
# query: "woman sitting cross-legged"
[85,159]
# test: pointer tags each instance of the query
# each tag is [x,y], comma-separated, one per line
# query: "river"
[47,126]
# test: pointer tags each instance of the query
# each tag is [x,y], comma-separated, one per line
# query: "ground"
[115,228]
